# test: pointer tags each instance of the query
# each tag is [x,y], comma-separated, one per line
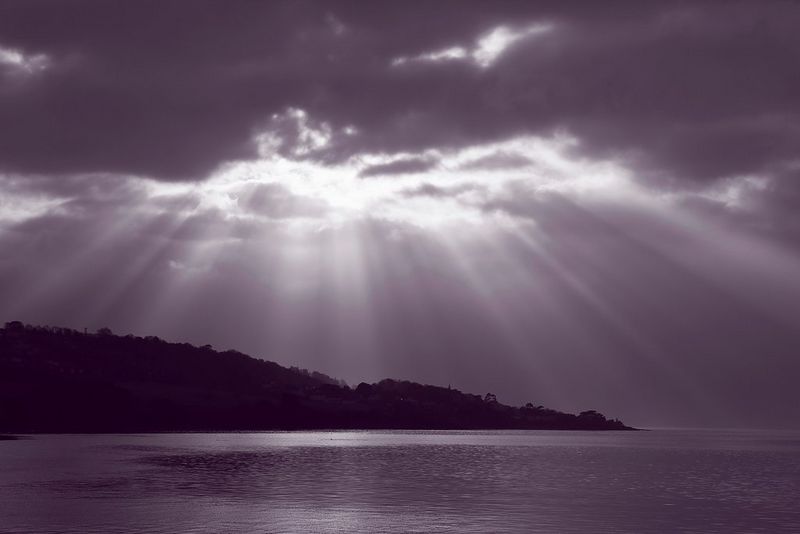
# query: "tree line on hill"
[62,380]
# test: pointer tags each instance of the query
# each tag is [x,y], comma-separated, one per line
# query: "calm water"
[659,481]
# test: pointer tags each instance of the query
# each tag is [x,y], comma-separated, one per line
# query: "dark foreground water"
[659,481]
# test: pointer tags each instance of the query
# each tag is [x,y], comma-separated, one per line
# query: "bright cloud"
[19,61]
[486,50]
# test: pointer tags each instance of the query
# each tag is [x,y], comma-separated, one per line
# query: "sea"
[662,480]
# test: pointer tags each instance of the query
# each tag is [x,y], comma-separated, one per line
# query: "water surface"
[514,481]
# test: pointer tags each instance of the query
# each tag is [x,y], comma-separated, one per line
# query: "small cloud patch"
[399,166]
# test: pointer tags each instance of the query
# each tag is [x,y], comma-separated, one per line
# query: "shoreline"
[15,437]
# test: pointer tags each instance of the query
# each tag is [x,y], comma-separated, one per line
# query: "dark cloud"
[399,166]
[768,208]
[500,160]
[278,202]
[686,90]
[436,191]
[70,186]
[173,91]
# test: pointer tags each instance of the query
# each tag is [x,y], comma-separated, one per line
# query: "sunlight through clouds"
[528,197]
[430,188]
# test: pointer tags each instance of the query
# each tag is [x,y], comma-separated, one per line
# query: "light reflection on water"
[660,481]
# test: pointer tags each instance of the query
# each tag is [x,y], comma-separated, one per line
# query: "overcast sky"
[585,205]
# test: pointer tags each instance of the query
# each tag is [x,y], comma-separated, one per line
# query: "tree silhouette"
[59,380]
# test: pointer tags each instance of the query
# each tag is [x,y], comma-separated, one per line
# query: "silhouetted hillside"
[62,380]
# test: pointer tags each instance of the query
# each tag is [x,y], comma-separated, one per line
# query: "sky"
[584,205]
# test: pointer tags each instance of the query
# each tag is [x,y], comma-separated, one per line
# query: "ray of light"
[601,308]
[486,289]
[70,272]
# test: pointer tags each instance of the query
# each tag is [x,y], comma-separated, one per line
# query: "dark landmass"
[8,438]
[61,380]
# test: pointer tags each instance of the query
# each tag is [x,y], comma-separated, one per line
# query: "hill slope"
[61,380]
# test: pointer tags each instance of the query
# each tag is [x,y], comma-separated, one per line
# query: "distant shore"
[7,437]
